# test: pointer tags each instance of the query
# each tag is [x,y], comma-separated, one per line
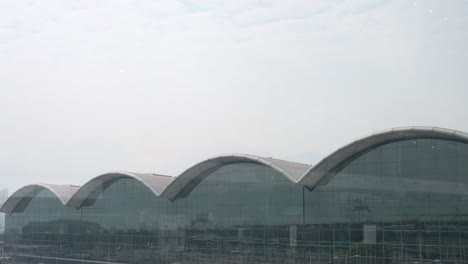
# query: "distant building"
[3,198]
[396,196]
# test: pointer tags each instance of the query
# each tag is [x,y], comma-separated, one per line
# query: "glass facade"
[43,228]
[404,202]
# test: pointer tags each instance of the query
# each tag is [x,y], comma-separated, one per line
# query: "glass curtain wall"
[44,228]
[241,213]
[404,202]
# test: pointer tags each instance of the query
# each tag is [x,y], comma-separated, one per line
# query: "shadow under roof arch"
[20,199]
[190,178]
[92,189]
[328,167]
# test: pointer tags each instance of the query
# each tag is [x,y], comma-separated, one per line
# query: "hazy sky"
[155,86]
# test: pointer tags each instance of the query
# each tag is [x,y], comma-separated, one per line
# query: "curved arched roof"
[169,187]
[189,179]
[91,190]
[333,163]
[20,199]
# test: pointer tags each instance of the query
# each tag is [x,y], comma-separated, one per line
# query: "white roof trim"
[290,170]
[18,201]
[330,165]
[88,193]
[169,187]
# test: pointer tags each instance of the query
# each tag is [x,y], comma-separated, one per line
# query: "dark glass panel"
[405,200]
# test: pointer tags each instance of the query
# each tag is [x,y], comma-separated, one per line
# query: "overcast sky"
[87,87]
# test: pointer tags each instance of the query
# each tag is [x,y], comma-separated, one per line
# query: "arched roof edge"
[189,175]
[330,163]
[90,186]
[14,199]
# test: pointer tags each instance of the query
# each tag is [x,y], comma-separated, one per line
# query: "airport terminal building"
[396,196]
